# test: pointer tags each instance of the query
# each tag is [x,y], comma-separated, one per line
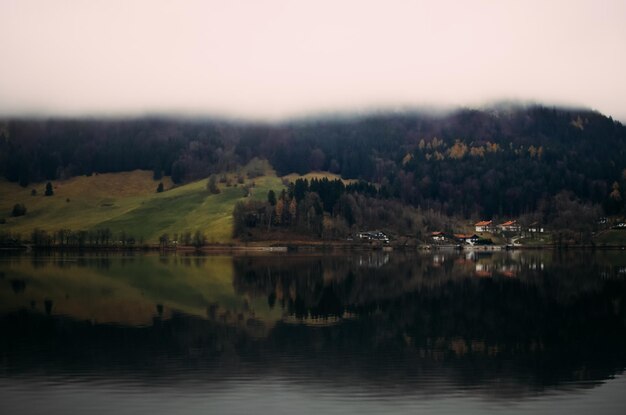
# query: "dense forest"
[470,163]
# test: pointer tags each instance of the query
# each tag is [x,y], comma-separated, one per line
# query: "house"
[373,236]
[535,227]
[484,226]
[466,238]
[509,226]
[438,236]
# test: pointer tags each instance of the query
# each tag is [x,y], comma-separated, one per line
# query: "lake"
[372,332]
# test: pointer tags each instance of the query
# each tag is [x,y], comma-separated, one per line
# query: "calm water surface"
[520,332]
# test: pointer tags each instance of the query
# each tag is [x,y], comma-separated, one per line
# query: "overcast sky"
[274,59]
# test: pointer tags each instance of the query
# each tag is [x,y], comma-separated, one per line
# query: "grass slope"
[128,202]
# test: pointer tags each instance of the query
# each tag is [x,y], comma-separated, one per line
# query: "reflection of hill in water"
[423,322]
[126,290]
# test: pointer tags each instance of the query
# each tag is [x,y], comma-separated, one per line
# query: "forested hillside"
[503,161]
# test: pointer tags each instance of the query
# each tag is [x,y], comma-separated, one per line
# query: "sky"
[273,59]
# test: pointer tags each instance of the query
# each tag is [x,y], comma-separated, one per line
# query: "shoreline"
[308,246]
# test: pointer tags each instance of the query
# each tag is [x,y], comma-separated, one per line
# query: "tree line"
[330,209]
[469,163]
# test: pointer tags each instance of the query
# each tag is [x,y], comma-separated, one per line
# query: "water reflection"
[502,325]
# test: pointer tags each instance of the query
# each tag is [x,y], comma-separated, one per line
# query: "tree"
[348,208]
[271,198]
[280,210]
[255,168]
[199,239]
[239,219]
[40,238]
[212,185]
[160,187]
[293,209]
[178,171]
[164,241]
[247,190]
[186,238]
[49,190]
[614,203]
[572,218]
[18,210]
[300,188]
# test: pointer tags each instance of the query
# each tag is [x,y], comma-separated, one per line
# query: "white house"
[467,239]
[438,236]
[535,227]
[373,236]
[484,226]
[509,226]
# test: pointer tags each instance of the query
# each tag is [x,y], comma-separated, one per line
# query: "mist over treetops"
[498,161]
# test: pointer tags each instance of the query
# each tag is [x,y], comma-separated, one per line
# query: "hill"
[504,161]
[128,202]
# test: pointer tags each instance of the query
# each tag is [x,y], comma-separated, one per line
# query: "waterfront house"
[509,226]
[466,238]
[535,227]
[373,236]
[484,226]
[438,236]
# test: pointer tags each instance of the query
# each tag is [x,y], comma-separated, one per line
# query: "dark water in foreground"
[367,333]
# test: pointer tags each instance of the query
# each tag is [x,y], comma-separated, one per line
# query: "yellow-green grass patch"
[127,202]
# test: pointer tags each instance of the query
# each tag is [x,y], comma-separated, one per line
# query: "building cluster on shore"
[482,227]
[484,231]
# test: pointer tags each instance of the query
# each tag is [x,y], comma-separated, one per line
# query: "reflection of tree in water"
[18,286]
[459,334]
[548,324]
[415,321]
[65,260]
[324,286]
[320,286]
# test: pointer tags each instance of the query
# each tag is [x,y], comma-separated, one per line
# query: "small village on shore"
[488,235]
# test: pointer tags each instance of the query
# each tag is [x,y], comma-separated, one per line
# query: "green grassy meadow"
[128,202]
